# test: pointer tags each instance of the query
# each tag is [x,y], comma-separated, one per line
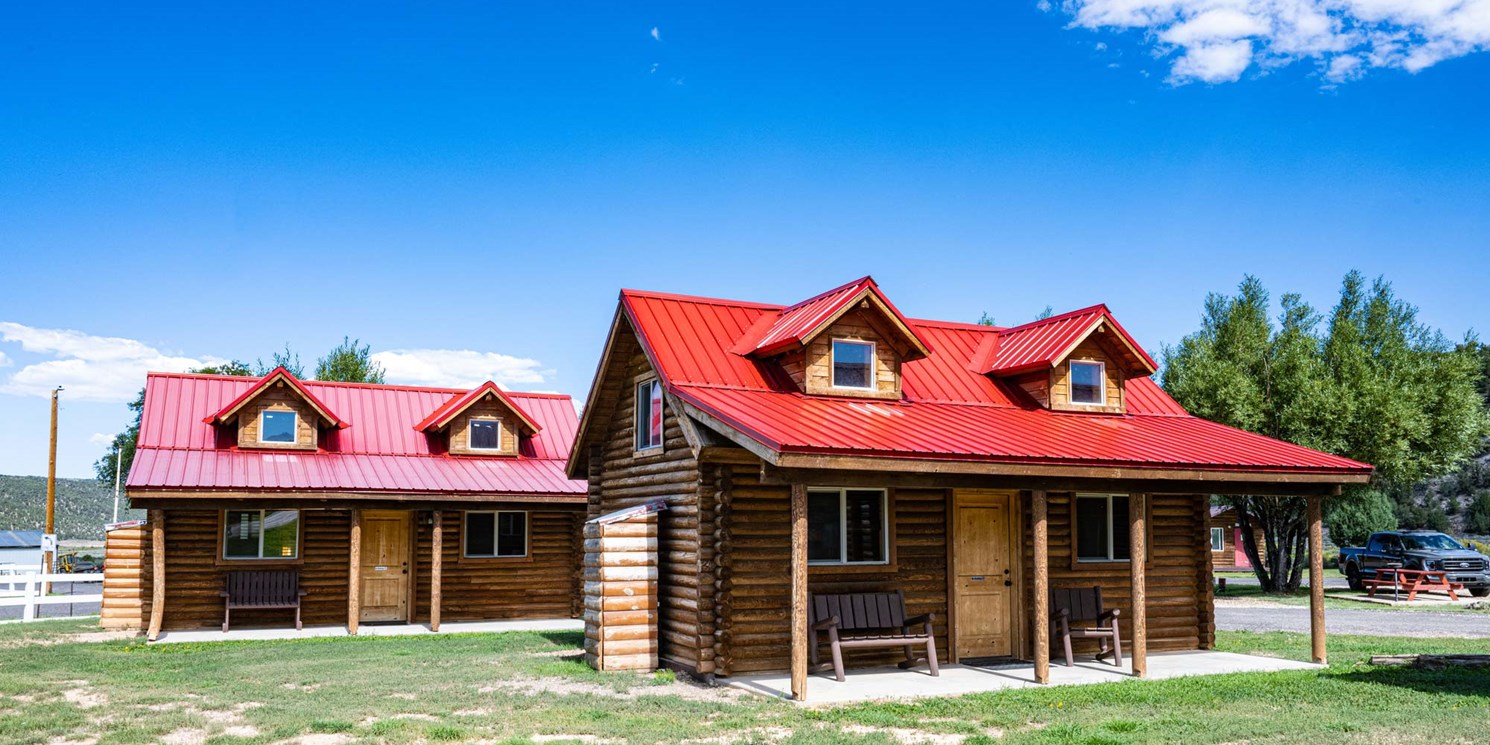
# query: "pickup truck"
[1417,549]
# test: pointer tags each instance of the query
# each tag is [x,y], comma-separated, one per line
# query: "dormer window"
[1087,383]
[853,364]
[486,434]
[277,426]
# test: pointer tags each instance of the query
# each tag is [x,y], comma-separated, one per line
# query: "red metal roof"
[379,450]
[278,374]
[442,416]
[948,411]
[1045,343]
[796,325]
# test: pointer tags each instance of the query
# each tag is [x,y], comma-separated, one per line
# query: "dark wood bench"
[260,590]
[1084,605]
[872,619]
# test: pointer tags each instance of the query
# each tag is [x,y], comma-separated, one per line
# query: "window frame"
[1101,382]
[526,555]
[649,448]
[471,434]
[1218,540]
[1148,529]
[222,557]
[833,364]
[294,428]
[887,542]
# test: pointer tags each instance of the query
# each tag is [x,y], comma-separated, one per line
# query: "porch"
[958,680]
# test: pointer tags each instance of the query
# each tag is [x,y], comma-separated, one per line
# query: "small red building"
[387,503]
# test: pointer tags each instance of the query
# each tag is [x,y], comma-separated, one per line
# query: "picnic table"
[1413,581]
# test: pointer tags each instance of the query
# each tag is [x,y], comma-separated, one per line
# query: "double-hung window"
[649,415]
[277,426]
[261,534]
[1087,383]
[1102,527]
[1218,539]
[853,364]
[847,526]
[499,534]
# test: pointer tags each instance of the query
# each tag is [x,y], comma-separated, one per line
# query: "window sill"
[886,568]
[525,559]
[222,562]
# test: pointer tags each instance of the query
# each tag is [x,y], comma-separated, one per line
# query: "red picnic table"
[1413,581]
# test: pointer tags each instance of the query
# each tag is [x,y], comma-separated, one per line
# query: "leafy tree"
[349,363]
[986,320]
[1044,314]
[1477,517]
[1354,520]
[123,445]
[1375,385]
[287,359]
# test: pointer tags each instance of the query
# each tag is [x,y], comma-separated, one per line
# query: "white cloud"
[89,368]
[458,368]
[100,439]
[656,35]
[1218,40]
[5,361]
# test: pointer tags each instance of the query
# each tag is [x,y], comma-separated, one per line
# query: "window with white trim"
[1087,383]
[277,426]
[1218,539]
[499,534]
[485,434]
[649,414]
[853,364]
[847,526]
[261,534]
[1102,527]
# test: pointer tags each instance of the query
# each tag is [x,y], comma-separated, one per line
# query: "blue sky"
[466,187]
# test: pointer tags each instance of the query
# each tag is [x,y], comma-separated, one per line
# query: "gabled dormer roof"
[1043,344]
[277,375]
[448,411]
[794,326]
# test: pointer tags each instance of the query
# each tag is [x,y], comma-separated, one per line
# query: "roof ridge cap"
[1060,317]
[825,293]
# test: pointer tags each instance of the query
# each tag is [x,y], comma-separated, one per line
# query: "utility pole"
[118,465]
[51,556]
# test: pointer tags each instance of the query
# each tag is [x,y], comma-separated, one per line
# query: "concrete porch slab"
[956,680]
[1424,600]
[313,632]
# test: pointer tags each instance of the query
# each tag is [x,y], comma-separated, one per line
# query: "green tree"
[1375,386]
[1354,520]
[349,363]
[287,359]
[1477,517]
[122,448]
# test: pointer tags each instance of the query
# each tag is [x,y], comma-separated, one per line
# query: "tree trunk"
[1279,566]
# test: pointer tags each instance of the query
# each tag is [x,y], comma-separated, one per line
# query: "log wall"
[126,578]
[620,594]
[544,584]
[754,604]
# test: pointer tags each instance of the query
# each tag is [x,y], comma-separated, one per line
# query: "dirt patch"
[559,686]
[64,740]
[768,735]
[242,730]
[595,740]
[185,737]
[86,637]
[337,738]
[84,696]
[307,688]
[404,695]
[906,736]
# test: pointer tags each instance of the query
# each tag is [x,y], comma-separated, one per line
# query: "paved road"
[1367,622]
[58,610]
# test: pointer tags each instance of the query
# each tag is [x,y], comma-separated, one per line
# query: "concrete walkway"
[1360,622]
[311,632]
[956,680]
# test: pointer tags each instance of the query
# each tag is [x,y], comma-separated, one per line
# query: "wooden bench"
[873,619]
[1084,604]
[1413,581]
[260,590]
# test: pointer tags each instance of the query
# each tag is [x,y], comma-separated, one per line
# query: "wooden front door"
[385,565]
[984,581]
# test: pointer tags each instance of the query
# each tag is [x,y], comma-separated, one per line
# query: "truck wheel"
[1480,592]
[1353,576]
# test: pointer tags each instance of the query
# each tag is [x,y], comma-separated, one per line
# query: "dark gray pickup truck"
[1417,549]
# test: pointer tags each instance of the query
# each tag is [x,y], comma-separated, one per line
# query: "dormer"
[1077,361]
[277,413]
[481,421]
[849,341]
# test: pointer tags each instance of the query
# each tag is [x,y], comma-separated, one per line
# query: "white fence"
[25,590]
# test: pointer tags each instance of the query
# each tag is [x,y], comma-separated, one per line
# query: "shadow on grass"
[1457,681]
[574,639]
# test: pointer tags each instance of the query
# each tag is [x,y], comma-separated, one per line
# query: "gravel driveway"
[1364,622]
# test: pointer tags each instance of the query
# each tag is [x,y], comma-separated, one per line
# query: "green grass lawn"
[528,687]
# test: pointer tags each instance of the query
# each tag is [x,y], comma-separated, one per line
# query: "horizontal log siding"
[1179,614]
[194,574]
[541,586]
[754,602]
[624,479]
[126,579]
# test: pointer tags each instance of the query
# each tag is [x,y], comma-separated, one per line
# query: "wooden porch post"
[1137,556]
[1316,577]
[354,575]
[157,573]
[436,565]
[799,592]
[1042,588]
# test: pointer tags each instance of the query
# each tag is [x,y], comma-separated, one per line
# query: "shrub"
[1353,519]
[1477,517]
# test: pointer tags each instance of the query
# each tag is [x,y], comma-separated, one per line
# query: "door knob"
[1007,583]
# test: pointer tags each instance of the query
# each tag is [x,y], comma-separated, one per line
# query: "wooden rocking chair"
[1084,605]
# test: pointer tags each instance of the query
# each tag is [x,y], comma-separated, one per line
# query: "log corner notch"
[620,589]
[1316,578]
[1041,549]
[799,636]
[1138,552]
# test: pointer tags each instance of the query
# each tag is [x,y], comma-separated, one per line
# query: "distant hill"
[83,506]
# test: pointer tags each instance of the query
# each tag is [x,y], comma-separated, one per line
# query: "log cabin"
[1228,550]
[389,504]
[836,446]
